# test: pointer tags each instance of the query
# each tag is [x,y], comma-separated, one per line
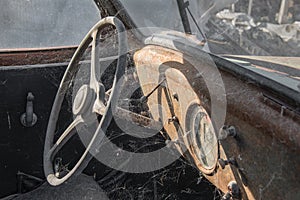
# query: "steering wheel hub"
[83,100]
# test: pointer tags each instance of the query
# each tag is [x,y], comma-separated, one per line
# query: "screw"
[173,119]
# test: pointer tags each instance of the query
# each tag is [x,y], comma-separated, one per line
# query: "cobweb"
[180,180]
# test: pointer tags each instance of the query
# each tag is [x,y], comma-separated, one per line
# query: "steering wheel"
[90,99]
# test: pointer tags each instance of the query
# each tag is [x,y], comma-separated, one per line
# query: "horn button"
[83,100]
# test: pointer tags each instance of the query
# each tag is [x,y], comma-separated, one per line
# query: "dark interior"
[21,148]
[262,104]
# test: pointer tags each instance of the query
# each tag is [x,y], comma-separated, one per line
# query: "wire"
[198,27]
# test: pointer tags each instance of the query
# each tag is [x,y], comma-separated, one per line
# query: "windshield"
[164,14]
[47,23]
[262,28]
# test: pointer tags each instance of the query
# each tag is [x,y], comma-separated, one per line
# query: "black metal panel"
[21,148]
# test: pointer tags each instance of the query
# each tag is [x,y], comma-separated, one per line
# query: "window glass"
[46,23]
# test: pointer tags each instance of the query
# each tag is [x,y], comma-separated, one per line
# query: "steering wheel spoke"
[66,136]
[95,84]
[95,64]
[68,132]
[99,105]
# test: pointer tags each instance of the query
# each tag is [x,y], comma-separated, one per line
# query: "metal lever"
[29,119]
[223,162]
[144,99]
[232,161]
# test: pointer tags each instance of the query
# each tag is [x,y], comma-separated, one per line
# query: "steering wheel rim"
[50,149]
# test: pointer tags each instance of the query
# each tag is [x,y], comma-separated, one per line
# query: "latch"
[29,119]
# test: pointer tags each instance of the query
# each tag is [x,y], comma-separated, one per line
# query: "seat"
[80,187]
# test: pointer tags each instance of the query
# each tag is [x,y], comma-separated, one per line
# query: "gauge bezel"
[192,120]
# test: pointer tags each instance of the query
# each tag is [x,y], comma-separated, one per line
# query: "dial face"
[203,140]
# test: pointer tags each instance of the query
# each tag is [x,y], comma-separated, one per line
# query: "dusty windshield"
[164,15]
[47,23]
[262,28]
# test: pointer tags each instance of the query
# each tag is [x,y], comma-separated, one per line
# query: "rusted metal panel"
[268,141]
[268,138]
[154,62]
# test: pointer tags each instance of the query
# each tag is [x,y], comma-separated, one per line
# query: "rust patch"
[153,62]
[36,56]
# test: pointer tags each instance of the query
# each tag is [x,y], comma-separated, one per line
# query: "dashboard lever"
[29,119]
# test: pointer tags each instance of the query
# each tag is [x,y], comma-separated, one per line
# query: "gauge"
[202,138]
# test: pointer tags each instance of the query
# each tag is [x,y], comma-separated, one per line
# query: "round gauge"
[202,138]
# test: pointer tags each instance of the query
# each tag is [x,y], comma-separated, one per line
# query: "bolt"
[226,131]
[233,191]
[232,186]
